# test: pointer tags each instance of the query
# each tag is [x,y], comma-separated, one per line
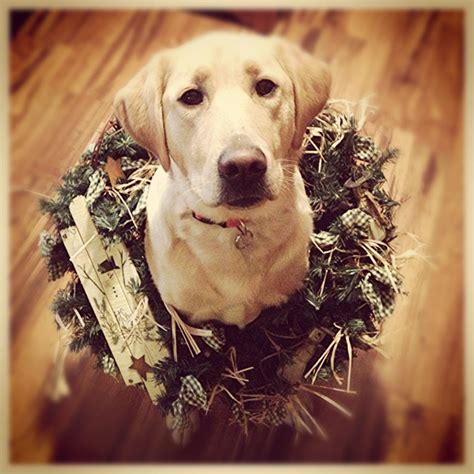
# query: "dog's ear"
[311,84]
[138,106]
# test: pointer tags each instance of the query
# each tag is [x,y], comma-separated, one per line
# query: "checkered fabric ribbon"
[325,239]
[191,394]
[237,412]
[97,184]
[129,164]
[56,267]
[356,223]
[386,275]
[141,204]
[365,149]
[46,243]
[275,413]
[217,340]
[380,299]
[180,413]
[108,365]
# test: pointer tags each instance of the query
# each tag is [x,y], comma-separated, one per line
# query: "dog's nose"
[242,165]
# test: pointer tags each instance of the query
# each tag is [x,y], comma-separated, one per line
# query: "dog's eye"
[265,87]
[192,97]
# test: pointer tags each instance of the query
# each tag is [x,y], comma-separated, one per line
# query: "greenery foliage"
[349,290]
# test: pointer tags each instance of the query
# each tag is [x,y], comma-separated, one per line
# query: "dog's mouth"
[245,202]
[245,199]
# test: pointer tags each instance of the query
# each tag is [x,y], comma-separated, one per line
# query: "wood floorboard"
[65,67]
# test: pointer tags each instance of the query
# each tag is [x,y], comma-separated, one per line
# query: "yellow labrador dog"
[228,219]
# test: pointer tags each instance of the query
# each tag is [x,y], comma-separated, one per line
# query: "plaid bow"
[386,275]
[141,204]
[355,223]
[46,243]
[380,300]
[108,364]
[217,340]
[364,149]
[325,239]
[97,184]
[275,413]
[190,395]
[131,164]
[237,413]
[56,269]
[51,247]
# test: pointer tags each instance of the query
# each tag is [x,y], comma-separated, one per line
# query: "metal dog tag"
[244,239]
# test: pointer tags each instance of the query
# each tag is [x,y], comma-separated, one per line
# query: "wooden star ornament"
[141,366]
[113,168]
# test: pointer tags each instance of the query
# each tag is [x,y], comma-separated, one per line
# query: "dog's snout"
[242,168]
[241,165]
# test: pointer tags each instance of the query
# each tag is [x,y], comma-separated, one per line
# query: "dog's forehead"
[232,41]
[219,51]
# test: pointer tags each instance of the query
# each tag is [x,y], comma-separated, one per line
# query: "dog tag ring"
[244,238]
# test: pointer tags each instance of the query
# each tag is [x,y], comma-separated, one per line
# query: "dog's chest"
[261,271]
[238,251]
[199,269]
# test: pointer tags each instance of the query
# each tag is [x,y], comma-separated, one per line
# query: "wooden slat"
[115,306]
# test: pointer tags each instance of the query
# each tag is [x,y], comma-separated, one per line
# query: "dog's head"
[229,110]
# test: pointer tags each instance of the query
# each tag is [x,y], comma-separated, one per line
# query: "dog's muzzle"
[242,169]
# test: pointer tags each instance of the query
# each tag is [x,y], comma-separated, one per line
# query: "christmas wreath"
[350,288]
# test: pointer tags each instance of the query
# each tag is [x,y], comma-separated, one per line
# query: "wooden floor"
[65,68]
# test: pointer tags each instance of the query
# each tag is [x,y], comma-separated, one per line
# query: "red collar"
[226,224]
